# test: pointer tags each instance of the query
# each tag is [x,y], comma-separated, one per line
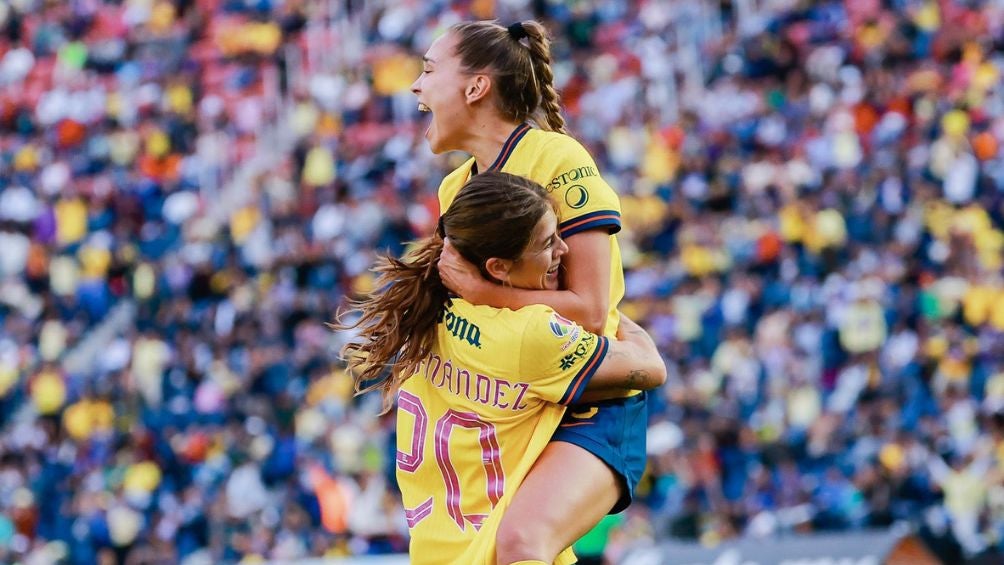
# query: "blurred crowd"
[813,202]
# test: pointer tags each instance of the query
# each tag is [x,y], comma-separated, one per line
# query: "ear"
[498,268]
[478,88]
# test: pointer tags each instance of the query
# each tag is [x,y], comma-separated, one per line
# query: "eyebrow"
[428,60]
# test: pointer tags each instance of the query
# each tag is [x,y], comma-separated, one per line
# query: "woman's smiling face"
[440,91]
[537,267]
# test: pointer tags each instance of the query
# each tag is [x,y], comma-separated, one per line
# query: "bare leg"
[566,493]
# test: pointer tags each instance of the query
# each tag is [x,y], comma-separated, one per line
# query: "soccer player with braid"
[490,93]
[481,390]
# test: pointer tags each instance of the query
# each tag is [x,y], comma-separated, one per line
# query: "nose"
[416,86]
[562,247]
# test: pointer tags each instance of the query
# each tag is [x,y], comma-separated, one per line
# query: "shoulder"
[554,141]
[460,174]
[515,319]
[541,322]
[533,313]
[512,322]
[552,159]
[452,184]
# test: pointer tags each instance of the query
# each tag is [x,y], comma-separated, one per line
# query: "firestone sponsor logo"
[571,176]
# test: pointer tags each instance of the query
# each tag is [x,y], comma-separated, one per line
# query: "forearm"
[588,314]
[650,369]
[637,378]
[632,363]
[642,368]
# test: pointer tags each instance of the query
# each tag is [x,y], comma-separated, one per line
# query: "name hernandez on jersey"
[467,383]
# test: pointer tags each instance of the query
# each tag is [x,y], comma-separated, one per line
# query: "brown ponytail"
[397,320]
[493,215]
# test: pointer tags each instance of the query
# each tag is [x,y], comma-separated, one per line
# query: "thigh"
[614,431]
[566,493]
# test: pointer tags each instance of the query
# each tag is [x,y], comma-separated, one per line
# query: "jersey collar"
[507,149]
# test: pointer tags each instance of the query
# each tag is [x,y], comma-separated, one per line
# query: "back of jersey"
[478,413]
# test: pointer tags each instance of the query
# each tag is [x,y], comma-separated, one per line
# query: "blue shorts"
[614,431]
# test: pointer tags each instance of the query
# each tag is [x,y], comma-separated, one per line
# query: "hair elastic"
[517,31]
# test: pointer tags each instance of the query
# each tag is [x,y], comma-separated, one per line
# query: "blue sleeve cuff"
[578,384]
[606,219]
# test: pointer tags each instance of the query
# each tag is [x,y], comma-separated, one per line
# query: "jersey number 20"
[491,458]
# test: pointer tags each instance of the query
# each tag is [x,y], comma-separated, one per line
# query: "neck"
[486,138]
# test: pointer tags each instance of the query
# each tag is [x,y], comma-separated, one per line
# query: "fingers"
[457,274]
[448,267]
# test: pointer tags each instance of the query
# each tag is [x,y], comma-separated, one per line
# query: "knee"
[521,540]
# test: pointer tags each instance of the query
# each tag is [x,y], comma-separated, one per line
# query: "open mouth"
[425,109]
[553,270]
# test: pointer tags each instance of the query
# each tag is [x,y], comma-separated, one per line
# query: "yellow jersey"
[477,414]
[566,170]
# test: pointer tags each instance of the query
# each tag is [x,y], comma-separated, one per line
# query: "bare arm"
[633,363]
[586,299]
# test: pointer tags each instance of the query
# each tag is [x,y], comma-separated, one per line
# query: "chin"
[437,146]
[442,140]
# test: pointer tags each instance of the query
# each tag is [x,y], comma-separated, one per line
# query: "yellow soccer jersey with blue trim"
[562,166]
[475,417]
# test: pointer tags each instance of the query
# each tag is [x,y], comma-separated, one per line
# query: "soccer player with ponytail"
[490,91]
[481,390]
